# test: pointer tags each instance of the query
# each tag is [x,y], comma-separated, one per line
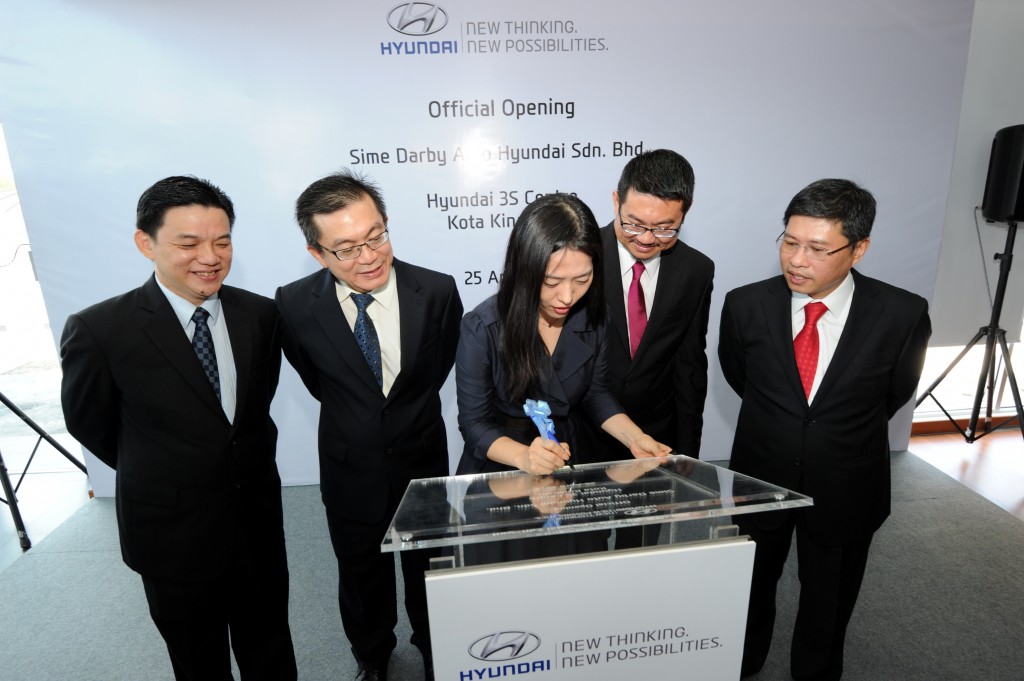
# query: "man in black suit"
[822,358]
[373,339]
[170,385]
[659,298]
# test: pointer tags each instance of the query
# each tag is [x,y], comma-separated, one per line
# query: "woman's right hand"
[544,456]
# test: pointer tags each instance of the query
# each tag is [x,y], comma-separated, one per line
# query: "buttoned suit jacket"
[370,445]
[835,449]
[189,482]
[664,386]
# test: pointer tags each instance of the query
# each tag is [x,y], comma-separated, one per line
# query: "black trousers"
[245,610]
[367,593]
[830,580]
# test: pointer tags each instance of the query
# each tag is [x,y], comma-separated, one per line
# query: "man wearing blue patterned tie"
[170,385]
[373,339]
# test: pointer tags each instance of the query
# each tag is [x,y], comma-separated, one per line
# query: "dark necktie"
[637,311]
[366,336]
[202,343]
[805,345]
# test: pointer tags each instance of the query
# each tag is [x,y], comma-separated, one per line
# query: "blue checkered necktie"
[202,343]
[366,336]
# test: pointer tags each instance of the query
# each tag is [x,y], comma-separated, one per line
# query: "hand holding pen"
[542,448]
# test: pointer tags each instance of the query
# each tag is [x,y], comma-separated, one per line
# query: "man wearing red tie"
[822,358]
[659,298]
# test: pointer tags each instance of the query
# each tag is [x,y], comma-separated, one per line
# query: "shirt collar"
[383,295]
[184,309]
[837,302]
[626,260]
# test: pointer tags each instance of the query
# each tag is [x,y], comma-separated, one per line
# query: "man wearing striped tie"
[822,357]
[170,384]
[373,339]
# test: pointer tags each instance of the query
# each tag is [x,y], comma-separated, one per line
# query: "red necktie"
[805,345]
[637,312]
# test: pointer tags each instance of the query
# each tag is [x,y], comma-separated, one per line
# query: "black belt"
[526,425]
[520,423]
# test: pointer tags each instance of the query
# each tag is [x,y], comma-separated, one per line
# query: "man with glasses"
[373,339]
[659,298]
[822,358]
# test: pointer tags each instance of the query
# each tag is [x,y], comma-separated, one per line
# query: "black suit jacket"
[188,481]
[837,448]
[370,445]
[664,386]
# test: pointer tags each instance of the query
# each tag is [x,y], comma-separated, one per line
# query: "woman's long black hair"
[549,224]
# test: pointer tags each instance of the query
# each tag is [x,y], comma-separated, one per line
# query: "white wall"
[993,99]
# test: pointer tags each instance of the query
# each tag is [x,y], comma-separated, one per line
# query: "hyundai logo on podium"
[504,645]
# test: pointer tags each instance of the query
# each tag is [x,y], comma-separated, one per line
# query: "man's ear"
[317,255]
[860,249]
[144,243]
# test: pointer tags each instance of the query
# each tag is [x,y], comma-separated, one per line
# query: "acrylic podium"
[528,587]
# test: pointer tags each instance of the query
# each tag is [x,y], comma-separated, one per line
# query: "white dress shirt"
[383,312]
[648,280]
[184,310]
[830,326]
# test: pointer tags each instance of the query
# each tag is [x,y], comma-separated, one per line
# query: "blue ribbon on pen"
[539,412]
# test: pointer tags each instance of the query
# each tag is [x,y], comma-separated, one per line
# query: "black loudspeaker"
[1004,187]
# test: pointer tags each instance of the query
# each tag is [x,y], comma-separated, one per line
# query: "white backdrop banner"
[463,112]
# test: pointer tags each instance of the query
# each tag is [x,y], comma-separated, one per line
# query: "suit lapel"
[412,313]
[778,313]
[164,331]
[671,278]
[240,335]
[864,314]
[613,288]
[571,353]
[326,310]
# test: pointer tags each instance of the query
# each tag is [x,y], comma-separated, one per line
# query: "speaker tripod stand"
[993,335]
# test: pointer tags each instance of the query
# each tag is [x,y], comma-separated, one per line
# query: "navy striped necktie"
[202,343]
[366,336]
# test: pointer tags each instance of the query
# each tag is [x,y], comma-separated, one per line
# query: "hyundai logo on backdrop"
[417,18]
[504,645]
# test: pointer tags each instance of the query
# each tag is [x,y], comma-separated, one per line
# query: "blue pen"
[539,412]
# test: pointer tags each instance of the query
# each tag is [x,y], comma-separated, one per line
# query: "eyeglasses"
[353,252]
[634,229]
[789,247]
